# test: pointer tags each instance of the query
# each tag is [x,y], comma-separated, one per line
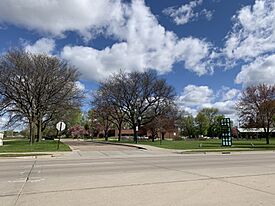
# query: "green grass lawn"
[13,146]
[212,144]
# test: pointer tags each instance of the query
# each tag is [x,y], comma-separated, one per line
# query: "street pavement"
[125,176]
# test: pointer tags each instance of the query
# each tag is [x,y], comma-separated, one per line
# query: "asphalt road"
[148,179]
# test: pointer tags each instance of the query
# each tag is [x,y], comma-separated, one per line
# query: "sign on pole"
[226,135]
[1,139]
[60,126]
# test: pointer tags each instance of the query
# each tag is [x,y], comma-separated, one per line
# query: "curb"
[121,144]
[25,155]
[224,152]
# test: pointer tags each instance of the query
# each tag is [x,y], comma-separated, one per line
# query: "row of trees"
[142,100]
[40,90]
[138,100]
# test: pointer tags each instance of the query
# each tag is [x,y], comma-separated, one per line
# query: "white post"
[1,139]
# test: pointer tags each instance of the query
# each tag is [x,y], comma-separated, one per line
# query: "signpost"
[60,126]
[1,139]
[226,135]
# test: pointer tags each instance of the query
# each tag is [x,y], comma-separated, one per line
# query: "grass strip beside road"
[22,154]
[14,146]
[209,145]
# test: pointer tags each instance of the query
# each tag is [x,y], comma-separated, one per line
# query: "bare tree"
[114,113]
[103,117]
[256,107]
[36,88]
[140,96]
[164,122]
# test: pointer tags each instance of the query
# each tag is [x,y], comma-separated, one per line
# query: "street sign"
[1,139]
[226,135]
[60,126]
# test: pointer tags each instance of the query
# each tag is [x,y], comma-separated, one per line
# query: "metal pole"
[136,135]
[59,137]
[57,140]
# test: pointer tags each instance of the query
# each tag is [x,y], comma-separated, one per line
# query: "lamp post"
[94,126]
[137,124]
[137,128]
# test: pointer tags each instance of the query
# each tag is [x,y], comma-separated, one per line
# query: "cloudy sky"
[207,49]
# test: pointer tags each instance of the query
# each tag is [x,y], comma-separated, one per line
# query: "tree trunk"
[267,135]
[39,130]
[106,135]
[31,132]
[119,131]
[162,136]
[267,139]
[119,134]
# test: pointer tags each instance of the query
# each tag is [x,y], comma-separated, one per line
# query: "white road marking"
[36,180]
[18,180]
[33,180]
[75,164]
[26,157]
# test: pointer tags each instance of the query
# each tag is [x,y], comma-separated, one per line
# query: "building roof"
[254,130]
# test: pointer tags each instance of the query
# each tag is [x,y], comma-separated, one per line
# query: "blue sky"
[207,49]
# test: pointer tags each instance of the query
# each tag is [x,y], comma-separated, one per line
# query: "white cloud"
[98,64]
[185,13]
[262,70]
[225,107]
[144,45]
[252,42]
[194,98]
[230,94]
[193,95]
[3,122]
[228,109]
[253,31]
[57,17]
[41,46]
[208,14]
[187,110]
[80,86]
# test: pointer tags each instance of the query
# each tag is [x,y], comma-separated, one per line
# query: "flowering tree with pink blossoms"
[78,131]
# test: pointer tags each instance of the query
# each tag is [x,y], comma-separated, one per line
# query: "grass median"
[21,146]
[209,145]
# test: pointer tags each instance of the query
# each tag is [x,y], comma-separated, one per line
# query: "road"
[139,178]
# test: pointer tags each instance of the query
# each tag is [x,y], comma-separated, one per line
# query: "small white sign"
[1,139]
[60,126]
